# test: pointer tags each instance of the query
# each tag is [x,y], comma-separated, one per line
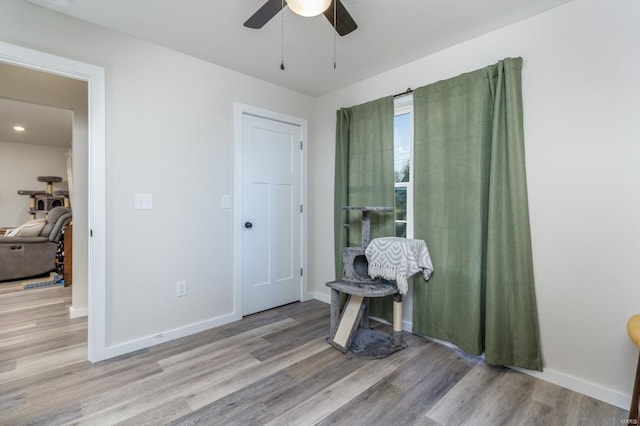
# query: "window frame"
[404,105]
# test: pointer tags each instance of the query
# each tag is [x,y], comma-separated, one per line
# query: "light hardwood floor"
[270,368]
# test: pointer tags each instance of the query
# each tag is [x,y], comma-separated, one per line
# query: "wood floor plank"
[197,390]
[278,393]
[9,341]
[538,412]
[415,388]
[461,403]
[284,342]
[34,364]
[190,375]
[11,400]
[137,397]
[244,407]
[56,416]
[211,349]
[160,415]
[31,306]
[21,328]
[585,411]
[322,404]
[7,366]
[502,401]
[212,391]
[54,331]
[273,367]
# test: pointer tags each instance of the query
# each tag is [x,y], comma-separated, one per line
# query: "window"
[403,165]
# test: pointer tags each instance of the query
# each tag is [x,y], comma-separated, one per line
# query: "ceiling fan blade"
[264,14]
[345,23]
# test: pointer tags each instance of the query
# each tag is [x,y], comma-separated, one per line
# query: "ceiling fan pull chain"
[334,33]
[282,39]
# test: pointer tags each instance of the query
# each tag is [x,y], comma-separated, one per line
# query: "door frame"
[96,198]
[239,110]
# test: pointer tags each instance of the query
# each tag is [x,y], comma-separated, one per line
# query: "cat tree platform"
[349,329]
[43,201]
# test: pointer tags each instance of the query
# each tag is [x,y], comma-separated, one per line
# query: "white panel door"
[271,217]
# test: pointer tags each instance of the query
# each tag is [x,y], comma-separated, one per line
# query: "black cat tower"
[349,327]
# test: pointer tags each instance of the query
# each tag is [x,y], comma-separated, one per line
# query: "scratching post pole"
[33,196]
[366,228]
[397,319]
[32,206]
[65,195]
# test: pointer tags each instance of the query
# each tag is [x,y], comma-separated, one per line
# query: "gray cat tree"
[349,328]
[43,201]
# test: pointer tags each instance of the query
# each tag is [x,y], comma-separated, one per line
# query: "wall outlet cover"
[181,288]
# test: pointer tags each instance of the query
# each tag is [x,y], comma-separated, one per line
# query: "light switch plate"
[143,201]
[225,201]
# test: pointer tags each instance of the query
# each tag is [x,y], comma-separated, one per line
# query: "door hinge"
[301,271]
[301,145]
[301,208]
[91,232]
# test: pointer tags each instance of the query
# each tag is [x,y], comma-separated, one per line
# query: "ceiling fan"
[344,22]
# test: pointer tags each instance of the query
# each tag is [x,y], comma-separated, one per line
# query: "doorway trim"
[96,270]
[239,110]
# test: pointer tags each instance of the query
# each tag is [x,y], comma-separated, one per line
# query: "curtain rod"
[403,93]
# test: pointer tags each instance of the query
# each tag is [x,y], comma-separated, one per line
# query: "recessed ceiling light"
[19,128]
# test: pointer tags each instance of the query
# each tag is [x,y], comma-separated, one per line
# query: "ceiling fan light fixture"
[308,8]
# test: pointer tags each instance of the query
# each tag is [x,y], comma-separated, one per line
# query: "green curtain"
[364,177]
[470,206]
[364,172]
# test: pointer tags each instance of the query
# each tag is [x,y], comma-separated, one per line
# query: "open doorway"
[50,112]
[88,199]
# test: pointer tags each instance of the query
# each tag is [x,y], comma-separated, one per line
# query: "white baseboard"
[550,375]
[309,295]
[322,297]
[78,312]
[145,342]
[576,384]
[567,381]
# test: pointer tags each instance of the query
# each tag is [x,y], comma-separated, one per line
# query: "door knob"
[248,225]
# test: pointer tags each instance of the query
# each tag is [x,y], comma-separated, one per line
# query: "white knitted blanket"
[398,259]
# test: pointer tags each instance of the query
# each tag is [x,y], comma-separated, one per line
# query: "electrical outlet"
[181,288]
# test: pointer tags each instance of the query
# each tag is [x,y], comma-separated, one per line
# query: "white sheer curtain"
[70,174]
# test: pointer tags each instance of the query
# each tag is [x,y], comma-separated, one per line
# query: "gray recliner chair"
[23,257]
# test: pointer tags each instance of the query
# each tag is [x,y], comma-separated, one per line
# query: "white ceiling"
[390,33]
[44,125]
[31,98]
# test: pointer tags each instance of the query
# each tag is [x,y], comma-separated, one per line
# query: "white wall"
[169,132]
[581,79]
[20,165]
